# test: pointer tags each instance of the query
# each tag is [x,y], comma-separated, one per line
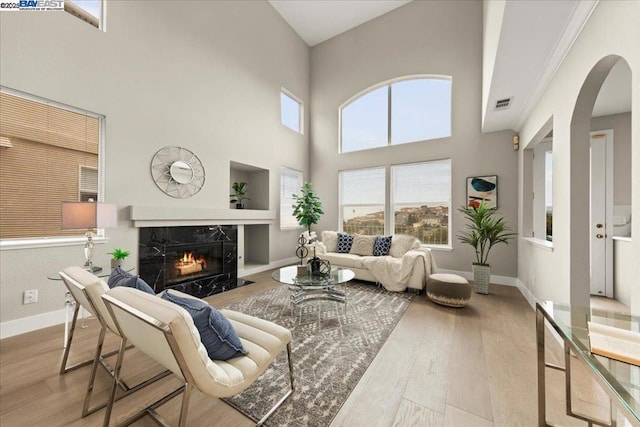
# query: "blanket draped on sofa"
[393,273]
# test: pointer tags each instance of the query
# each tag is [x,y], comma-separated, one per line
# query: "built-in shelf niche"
[257,180]
[253,247]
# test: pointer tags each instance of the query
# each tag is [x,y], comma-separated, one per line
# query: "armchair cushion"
[216,332]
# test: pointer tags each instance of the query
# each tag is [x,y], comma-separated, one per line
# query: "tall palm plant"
[486,228]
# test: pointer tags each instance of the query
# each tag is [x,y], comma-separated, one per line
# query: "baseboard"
[526,293]
[274,264]
[32,323]
[498,280]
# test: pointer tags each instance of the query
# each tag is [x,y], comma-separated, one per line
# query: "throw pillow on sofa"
[216,332]
[362,245]
[330,240]
[344,243]
[401,244]
[382,246]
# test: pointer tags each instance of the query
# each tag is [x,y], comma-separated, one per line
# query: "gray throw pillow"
[216,332]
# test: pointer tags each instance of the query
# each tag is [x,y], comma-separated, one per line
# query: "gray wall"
[427,37]
[621,125]
[203,75]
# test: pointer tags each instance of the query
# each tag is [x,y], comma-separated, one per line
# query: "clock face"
[177,172]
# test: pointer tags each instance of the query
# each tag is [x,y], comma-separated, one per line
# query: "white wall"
[427,37]
[612,29]
[202,75]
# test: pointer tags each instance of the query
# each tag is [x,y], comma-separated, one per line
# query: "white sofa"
[408,265]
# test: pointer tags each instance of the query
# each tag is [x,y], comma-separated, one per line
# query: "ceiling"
[531,40]
[318,20]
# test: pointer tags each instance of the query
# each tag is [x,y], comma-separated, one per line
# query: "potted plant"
[307,209]
[119,256]
[486,228]
[239,194]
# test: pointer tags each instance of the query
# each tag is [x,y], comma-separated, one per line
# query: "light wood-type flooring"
[440,366]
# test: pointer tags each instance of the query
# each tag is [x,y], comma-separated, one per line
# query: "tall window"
[90,11]
[397,113]
[290,184]
[51,157]
[362,201]
[290,111]
[421,200]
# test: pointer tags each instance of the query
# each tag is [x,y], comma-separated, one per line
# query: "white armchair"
[167,334]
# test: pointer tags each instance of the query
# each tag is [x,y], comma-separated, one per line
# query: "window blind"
[290,184]
[41,169]
[363,186]
[416,183]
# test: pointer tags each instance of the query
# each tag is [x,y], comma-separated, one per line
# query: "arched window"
[399,112]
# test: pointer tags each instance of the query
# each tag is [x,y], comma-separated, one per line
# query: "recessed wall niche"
[257,180]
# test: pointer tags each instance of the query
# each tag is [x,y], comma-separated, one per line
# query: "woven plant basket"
[481,278]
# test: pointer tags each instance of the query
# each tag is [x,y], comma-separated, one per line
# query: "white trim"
[526,293]
[47,242]
[622,238]
[498,280]
[31,323]
[534,241]
[274,264]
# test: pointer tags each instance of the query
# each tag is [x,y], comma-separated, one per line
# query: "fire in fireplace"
[188,264]
[199,260]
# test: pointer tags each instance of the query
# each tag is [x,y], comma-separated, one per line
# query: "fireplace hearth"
[197,260]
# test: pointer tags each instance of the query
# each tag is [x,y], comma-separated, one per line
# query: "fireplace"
[197,260]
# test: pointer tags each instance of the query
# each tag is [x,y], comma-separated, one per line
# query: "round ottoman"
[448,289]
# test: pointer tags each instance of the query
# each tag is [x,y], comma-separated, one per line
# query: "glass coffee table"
[306,287]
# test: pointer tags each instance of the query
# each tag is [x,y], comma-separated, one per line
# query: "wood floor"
[440,367]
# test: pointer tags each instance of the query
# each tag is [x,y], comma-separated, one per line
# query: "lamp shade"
[88,215]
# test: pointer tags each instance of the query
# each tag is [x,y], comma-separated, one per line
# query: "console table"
[621,381]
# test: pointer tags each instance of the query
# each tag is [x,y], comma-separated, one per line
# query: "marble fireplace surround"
[252,226]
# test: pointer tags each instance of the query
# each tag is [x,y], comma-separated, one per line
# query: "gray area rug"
[331,351]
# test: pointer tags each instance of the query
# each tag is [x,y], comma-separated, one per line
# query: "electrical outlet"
[30,296]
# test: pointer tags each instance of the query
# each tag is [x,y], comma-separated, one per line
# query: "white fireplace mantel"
[156,216]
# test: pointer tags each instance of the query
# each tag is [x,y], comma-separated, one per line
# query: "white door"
[601,265]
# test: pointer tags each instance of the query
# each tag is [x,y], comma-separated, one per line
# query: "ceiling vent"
[503,104]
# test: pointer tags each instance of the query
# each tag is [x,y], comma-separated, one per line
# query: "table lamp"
[88,216]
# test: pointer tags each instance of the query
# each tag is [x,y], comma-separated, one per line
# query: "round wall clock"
[177,172]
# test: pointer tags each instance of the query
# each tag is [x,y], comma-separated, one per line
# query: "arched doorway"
[584,236]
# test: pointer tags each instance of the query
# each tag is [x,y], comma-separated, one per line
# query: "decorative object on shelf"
[239,194]
[486,228]
[307,207]
[89,216]
[482,189]
[177,172]
[119,256]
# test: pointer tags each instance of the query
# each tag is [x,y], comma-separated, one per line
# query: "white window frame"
[341,206]
[392,205]
[388,84]
[294,98]
[44,241]
[283,215]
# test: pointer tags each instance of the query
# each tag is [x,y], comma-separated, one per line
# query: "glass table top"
[289,276]
[571,323]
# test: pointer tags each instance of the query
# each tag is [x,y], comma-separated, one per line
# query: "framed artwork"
[482,189]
